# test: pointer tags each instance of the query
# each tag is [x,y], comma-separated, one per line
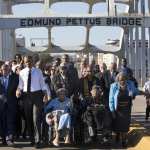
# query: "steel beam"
[143,50]
[149,43]
[15,2]
[95,1]
[137,54]
[130,40]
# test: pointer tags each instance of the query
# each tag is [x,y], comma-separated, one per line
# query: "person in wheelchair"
[58,115]
[93,114]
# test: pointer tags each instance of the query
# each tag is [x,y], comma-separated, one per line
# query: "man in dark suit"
[87,81]
[110,75]
[124,67]
[109,78]
[2,115]
[9,82]
[62,80]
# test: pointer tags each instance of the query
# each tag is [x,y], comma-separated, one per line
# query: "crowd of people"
[46,103]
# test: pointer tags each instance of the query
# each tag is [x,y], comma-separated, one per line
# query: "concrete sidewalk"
[140,129]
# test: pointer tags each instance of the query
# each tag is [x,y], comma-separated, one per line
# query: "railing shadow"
[139,130]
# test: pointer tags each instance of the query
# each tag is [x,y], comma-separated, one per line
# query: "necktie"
[29,82]
[5,83]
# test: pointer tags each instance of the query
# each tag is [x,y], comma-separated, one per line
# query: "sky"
[68,36]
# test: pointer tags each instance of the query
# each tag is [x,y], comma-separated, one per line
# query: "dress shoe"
[10,143]
[45,143]
[4,142]
[32,143]
[38,145]
[124,143]
[117,140]
[24,136]
[146,119]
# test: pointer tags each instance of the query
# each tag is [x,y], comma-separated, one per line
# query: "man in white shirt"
[33,90]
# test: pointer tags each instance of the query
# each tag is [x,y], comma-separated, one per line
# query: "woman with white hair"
[120,101]
[58,114]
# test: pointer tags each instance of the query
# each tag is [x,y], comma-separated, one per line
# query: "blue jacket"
[55,104]
[114,90]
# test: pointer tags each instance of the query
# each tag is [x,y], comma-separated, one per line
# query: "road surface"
[139,138]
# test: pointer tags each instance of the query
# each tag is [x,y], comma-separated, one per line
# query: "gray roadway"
[134,136]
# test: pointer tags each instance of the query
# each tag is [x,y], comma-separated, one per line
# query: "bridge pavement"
[139,134]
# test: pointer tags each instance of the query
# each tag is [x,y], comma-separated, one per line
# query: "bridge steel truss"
[134,45]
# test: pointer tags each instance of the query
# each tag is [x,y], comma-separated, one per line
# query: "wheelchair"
[53,126]
[96,125]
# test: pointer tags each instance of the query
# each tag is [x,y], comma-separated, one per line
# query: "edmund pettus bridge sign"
[12,22]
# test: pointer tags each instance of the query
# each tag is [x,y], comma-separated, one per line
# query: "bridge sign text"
[28,22]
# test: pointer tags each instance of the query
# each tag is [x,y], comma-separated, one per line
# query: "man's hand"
[18,93]
[45,98]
